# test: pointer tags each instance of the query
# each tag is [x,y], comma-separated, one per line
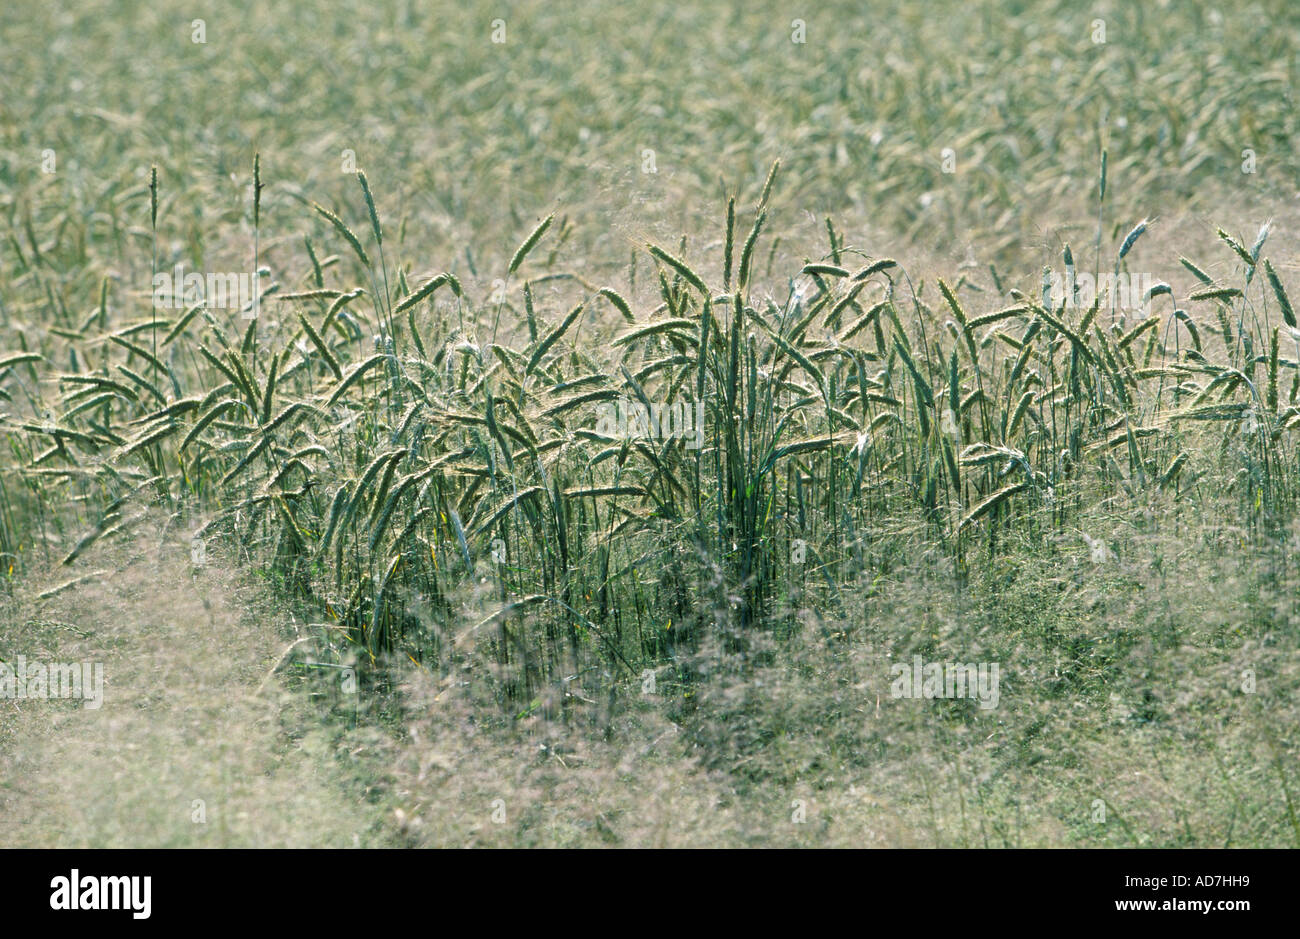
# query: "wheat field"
[616,421]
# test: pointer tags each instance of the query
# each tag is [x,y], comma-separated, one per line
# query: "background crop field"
[393,508]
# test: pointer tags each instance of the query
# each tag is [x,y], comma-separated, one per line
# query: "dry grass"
[184,653]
